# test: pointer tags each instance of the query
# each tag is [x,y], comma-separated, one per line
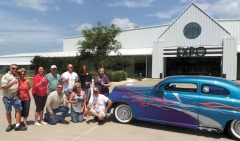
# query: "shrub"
[117,76]
[124,75]
[109,75]
[93,74]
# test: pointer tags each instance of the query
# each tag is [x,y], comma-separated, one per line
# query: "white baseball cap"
[53,66]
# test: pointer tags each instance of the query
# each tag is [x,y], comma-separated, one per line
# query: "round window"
[192,30]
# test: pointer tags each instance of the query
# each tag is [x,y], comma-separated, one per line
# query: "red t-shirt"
[23,92]
[42,89]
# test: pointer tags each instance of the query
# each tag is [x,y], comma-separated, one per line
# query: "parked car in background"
[197,102]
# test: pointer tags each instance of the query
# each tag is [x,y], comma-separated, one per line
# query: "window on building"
[212,89]
[192,30]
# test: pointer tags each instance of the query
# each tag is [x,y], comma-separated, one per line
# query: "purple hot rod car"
[198,102]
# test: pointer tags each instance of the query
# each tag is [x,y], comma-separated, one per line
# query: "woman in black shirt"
[86,81]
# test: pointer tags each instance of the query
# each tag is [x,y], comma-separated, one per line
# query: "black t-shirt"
[85,78]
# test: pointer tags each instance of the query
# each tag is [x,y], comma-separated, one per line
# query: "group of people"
[54,92]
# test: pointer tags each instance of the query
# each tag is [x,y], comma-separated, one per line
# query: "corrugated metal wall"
[229,66]
[140,38]
[16,60]
[132,38]
[233,26]
[70,44]
[157,59]
[212,33]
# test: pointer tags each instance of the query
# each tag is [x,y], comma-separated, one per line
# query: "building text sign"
[191,51]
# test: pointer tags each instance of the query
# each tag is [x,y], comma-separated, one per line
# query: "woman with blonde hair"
[78,102]
[23,94]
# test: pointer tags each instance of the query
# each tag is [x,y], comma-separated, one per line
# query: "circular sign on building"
[192,30]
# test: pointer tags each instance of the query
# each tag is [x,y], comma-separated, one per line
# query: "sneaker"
[20,128]
[45,120]
[96,119]
[101,122]
[63,122]
[44,123]
[37,124]
[9,128]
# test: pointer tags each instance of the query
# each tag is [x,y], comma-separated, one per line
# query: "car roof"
[199,78]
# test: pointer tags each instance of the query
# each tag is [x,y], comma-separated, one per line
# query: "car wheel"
[234,129]
[123,113]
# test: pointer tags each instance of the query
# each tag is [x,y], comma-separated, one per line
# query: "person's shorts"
[95,113]
[8,103]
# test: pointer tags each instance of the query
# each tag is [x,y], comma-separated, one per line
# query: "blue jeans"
[76,117]
[53,121]
[8,103]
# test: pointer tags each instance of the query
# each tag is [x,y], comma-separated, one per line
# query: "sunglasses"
[14,68]
[22,74]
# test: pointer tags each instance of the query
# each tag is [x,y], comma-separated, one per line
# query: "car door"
[215,105]
[174,103]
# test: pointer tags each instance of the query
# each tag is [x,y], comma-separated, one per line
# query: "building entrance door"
[193,66]
[140,68]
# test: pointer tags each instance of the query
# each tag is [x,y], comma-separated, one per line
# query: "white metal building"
[194,43]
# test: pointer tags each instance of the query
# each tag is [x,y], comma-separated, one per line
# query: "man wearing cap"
[53,79]
[97,105]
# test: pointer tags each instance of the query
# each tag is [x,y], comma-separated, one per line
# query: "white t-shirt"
[73,78]
[99,103]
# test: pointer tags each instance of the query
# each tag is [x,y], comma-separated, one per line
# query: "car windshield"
[155,85]
[237,84]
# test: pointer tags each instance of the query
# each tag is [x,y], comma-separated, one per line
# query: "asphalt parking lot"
[89,130]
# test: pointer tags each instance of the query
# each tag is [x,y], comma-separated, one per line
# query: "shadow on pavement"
[177,129]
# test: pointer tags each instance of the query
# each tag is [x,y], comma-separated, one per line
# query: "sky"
[32,26]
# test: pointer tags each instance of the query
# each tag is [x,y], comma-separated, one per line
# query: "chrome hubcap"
[237,127]
[124,113]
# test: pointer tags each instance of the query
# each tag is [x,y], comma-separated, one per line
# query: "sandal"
[25,125]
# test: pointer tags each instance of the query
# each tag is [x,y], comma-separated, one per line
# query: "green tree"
[118,62]
[98,42]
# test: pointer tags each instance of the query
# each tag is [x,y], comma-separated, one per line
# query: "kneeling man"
[54,105]
[97,105]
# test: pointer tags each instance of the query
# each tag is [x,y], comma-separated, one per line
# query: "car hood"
[129,93]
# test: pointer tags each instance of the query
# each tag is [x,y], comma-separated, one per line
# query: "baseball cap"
[95,89]
[53,66]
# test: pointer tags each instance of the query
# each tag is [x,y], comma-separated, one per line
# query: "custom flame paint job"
[193,109]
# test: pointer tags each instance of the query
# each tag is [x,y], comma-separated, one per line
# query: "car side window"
[212,89]
[181,87]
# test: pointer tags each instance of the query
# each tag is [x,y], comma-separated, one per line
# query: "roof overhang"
[133,52]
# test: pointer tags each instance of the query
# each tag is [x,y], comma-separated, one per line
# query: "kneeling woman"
[78,102]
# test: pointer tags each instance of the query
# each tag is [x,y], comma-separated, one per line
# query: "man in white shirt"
[98,105]
[69,78]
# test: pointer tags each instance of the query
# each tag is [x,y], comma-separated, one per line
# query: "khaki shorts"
[95,113]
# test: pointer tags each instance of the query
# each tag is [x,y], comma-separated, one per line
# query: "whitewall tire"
[234,129]
[123,113]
